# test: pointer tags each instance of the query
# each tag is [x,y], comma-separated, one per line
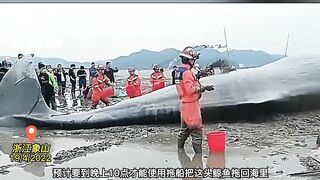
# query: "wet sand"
[282,143]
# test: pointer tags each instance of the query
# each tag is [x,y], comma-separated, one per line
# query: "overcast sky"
[85,32]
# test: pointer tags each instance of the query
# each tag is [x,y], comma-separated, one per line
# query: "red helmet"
[189,53]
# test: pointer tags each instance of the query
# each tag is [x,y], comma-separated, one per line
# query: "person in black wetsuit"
[109,72]
[73,81]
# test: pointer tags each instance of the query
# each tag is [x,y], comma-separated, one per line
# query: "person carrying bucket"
[99,88]
[157,78]
[189,91]
[133,84]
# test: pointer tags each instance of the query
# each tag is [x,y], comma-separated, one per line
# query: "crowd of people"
[101,86]
[101,82]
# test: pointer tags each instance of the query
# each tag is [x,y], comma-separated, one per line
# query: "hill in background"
[169,57]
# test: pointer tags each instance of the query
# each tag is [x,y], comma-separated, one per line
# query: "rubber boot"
[59,90]
[183,135]
[197,148]
[63,91]
[181,141]
[74,102]
[94,106]
[53,103]
[105,102]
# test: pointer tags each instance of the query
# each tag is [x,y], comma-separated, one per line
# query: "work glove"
[207,88]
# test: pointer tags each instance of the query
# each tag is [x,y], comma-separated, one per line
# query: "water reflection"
[186,162]
[216,160]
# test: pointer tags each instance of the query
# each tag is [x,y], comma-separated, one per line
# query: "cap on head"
[81,67]
[41,65]
[72,65]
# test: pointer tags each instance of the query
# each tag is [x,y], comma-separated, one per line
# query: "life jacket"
[178,75]
[132,79]
[187,94]
[133,86]
[100,82]
[158,80]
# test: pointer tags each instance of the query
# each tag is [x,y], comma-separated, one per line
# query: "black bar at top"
[159,1]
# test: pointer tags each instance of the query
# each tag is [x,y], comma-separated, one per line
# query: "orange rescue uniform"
[133,86]
[99,84]
[188,91]
[157,80]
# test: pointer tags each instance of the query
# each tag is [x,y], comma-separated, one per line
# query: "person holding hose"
[189,90]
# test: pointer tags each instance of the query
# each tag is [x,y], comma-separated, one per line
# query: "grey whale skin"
[287,85]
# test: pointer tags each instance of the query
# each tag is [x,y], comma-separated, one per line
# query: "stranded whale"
[287,85]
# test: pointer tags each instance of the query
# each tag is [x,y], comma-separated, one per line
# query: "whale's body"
[289,84]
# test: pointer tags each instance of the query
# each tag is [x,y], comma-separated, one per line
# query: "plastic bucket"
[108,92]
[217,141]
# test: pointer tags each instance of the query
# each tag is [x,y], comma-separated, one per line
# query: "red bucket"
[217,141]
[108,92]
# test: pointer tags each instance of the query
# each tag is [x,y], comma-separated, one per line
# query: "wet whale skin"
[288,85]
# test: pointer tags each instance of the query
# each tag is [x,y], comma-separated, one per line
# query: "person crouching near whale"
[133,84]
[189,90]
[99,86]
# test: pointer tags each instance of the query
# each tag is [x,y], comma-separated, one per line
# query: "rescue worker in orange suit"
[189,90]
[133,84]
[157,78]
[99,84]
